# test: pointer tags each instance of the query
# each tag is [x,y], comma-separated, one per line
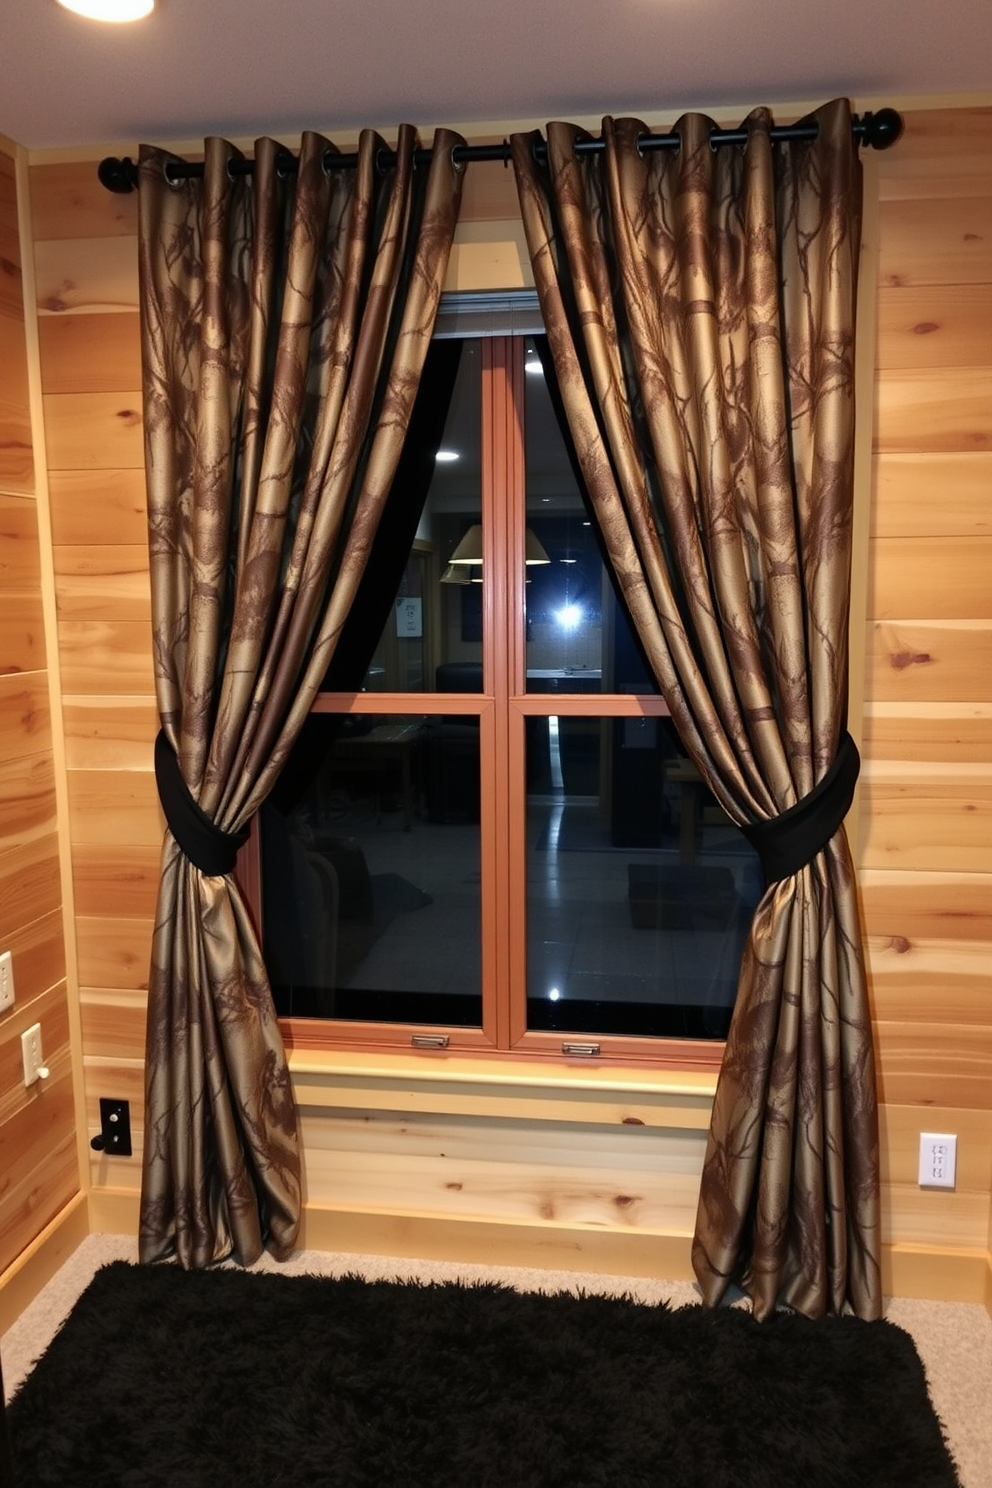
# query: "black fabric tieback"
[786,843]
[207,847]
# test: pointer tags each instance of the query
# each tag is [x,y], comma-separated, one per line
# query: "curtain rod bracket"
[876,131]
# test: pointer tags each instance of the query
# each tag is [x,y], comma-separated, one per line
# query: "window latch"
[586,1049]
[430,1040]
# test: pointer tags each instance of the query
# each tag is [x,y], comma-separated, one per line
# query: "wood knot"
[632,1121]
[129,416]
[903,659]
[456,1186]
[624,1201]
[901,945]
[925,327]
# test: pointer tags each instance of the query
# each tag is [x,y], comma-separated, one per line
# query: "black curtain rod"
[877,131]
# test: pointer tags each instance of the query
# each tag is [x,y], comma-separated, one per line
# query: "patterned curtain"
[285,321]
[699,305]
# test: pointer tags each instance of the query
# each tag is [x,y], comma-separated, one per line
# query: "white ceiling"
[241,67]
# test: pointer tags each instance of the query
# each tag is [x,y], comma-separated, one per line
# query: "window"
[491,839]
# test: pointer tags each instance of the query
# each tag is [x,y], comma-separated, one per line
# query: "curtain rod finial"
[120,176]
[879,131]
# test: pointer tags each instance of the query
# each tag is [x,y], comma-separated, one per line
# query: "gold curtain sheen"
[699,305]
[285,322]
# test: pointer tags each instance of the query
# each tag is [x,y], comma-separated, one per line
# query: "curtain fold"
[699,306]
[285,322]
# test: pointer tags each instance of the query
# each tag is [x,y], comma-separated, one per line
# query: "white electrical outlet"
[938,1159]
[6,981]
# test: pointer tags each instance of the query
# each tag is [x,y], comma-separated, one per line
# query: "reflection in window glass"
[640,891]
[432,636]
[371,876]
[579,637]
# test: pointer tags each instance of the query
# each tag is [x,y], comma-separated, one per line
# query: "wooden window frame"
[502,709]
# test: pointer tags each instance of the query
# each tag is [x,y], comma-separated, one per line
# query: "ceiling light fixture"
[115,11]
[445,456]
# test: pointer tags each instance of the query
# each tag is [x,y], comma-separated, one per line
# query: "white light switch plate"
[6,981]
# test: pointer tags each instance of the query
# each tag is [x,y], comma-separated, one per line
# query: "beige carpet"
[954,1339]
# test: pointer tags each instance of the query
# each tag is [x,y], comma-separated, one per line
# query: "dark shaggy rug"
[233,1378]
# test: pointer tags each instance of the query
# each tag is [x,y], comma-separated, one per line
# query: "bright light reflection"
[554,994]
[569,617]
[110,10]
[445,457]
[534,368]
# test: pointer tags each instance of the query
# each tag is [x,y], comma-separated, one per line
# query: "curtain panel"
[285,320]
[699,306]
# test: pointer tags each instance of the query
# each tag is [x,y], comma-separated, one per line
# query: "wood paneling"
[91,431]
[115,809]
[29,1205]
[27,798]
[52,1013]
[124,886]
[90,353]
[113,1023]
[110,733]
[22,633]
[956,733]
[87,276]
[67,201]
[38,951]
[934,495]
[923,245]
[114,952]
[16,453]
[10,238]
[901,1126]
[98,506]
[29,883]
[935,325]
[943,153]
[106,656]
[920,412]
[25,717]
[929,824]
[931,981]
[929,661]
[934,1064]
[102,582]
[20,565]
[938,906]
[934,578]
[38,1159]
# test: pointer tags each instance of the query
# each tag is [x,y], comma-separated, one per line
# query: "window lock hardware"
[588,1050]
[430,1040]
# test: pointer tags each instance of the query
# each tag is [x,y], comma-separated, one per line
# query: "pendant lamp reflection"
[115,11]
[468,555]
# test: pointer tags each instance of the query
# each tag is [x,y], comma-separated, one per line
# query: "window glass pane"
[579,637]
[371,875]
[434,619]
[640,891]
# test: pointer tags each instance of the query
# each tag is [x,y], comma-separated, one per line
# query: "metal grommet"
[173,182]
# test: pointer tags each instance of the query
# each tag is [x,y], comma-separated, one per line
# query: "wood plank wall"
[926,850]
[927,805]
[38,1164]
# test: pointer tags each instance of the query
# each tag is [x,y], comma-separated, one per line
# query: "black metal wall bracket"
[114,1136]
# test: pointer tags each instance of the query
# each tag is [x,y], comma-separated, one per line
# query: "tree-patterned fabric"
[699,305]
[285,321]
